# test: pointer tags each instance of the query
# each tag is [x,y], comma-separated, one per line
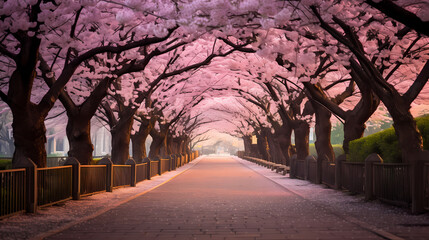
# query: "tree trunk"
[283,136]
[139,140]
[302,131]
[247,142]
[409,137]
[263,146]
[353,129]
[121,135]
[78,132]
[28,118]
[156,145]
[323,132]
[275,149]
[29,133]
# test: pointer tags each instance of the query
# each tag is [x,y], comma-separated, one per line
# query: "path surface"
[219,198]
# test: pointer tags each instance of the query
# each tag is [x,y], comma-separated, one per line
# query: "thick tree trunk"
[78,132]
[28,118]
[29,133]
[263,146]
[275,149]
[121,135]
[156,145]
[353,129]
[139,140]
[323,132]
[175,145]
[409,137]
[302,131]
[284,138]
[247,142]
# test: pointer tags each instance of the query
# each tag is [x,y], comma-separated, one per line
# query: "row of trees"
[346,58]
[133,65]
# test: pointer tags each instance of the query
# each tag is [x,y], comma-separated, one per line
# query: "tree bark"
[323,132]
[78,132]
[29,133]
[157,147]
[247,142]
[302,131]
[121,135]
[139,139]
[283,137]
[28,118]
[263,147]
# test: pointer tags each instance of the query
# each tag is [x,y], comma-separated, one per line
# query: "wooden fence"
[27,188]
[387,182]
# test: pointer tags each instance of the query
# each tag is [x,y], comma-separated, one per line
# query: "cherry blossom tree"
[44,29]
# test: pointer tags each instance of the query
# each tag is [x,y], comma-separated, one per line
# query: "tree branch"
[401,15]
[418,84]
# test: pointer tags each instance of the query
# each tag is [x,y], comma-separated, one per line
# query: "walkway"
[220,198]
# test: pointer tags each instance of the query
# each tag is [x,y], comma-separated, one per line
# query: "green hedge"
[338,149]
[385,143]
[5,164]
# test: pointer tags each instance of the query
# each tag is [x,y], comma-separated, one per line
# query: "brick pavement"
[218,198]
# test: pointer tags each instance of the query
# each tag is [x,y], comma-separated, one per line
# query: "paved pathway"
[218,198]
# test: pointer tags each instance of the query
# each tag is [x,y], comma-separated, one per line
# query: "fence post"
[75,176]
[417,183]
[308,159]
[147,160]
[319,168]
[132,163]
[158,159]
[30,183]
[338,171]
[109,173]
[369,174]
[293,166]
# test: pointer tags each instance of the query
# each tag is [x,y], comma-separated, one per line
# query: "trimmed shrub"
[385,143]
[5,164]
[338,149]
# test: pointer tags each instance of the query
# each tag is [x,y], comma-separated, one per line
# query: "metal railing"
[121,175]
[154,168]
[352,176]
[92,179]
[392,183]
[54,185]
[328,173]
[141,172]
[12,191]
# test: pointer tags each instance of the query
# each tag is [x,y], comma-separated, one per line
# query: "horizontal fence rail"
[12,191]
[392,182]
[141,172]
[353,176]
[121,175]
[54,185]
[92,179]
